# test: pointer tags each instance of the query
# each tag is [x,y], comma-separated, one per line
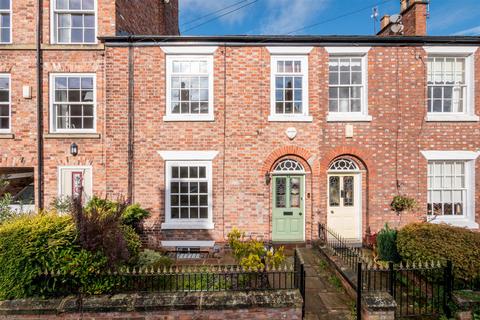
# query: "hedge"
[31,244]
[441,242]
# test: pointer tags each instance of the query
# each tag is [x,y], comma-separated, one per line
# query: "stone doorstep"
[145,302]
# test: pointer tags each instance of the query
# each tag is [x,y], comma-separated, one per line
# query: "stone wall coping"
[146,302]
[378,301]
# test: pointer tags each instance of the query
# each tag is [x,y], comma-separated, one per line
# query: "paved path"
[324,294]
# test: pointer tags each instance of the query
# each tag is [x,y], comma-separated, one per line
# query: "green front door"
[288,208]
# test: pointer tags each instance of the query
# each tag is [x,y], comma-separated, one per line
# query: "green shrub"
[133,214]
[252,254]
[387,244]
[31,244]
[153,259]
[441,242]
[5,212]
[133,243]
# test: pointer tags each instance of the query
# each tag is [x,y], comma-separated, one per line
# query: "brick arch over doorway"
[365,163]
[297,153]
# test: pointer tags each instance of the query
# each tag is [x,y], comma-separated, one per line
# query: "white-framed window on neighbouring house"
[74,21]
[74,182]
[447,188]
[188,192]
[289,88]
[73,103]
[447,85]
[450,84]
[5,21]
[450,187]
[5,104]
[189,88]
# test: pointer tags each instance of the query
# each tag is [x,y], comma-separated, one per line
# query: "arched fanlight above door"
[289,166]
[343,164]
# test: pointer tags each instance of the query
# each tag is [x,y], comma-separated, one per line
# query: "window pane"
[5,20]
[77,20]
[88,5]
[203,213]
[77,35]
[4,96]
[89,35]
[280,192]
[75,4]
[175,172]
[334,191]
[88,123]
[202,172]
[4,111]
[5,4]
[4,123]
[61,95]
[5,35]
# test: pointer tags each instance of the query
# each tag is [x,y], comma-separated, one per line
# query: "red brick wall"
[388,147]
[241,314]
[147,17]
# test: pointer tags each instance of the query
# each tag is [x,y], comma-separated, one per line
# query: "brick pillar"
[378,306]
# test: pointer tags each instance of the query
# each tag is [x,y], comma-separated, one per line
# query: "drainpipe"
[130,121]
[39,106]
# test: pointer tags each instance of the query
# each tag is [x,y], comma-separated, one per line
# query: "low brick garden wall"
[277,304]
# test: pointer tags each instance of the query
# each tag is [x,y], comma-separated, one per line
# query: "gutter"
[152,40]
[39,74]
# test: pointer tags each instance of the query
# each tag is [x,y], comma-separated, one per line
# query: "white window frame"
[10,12]
[54,30]
[282,117]
[199,223]
[9,130]
[469,54]
[53,124]
[468,157]
[63,169]
[175,158]
[352,52]
[169,116]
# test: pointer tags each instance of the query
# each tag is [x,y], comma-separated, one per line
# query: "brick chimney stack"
[414,19]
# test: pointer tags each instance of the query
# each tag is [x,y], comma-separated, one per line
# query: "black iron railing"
[349,254]
[300,276]
[419,289]
[177,279]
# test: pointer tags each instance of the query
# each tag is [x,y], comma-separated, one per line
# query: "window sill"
[294,118]
[452,118]
[72,136]
[7,136]
[204,225]
[457,222]
[331,117]
[206,118]
[73,46]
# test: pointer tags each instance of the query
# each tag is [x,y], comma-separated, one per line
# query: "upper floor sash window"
[74,21]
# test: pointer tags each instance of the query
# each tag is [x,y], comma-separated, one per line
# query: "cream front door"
[344,205]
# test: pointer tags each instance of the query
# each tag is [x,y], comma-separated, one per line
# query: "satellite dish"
[395,18]
[396,28]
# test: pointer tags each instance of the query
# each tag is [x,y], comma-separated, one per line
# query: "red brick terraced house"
[269,134]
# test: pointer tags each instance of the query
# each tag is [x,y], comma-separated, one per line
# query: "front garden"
[96,248]
[429,269]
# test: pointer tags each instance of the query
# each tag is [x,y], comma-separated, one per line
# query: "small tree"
[99,227]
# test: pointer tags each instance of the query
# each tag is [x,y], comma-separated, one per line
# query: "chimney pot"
[384,22]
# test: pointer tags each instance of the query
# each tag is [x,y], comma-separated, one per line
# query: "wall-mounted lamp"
[267,178]
[73,149]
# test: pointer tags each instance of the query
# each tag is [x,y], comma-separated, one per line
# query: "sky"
[317,17]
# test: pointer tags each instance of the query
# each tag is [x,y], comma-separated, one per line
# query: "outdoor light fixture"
[73,149]
[267,178]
